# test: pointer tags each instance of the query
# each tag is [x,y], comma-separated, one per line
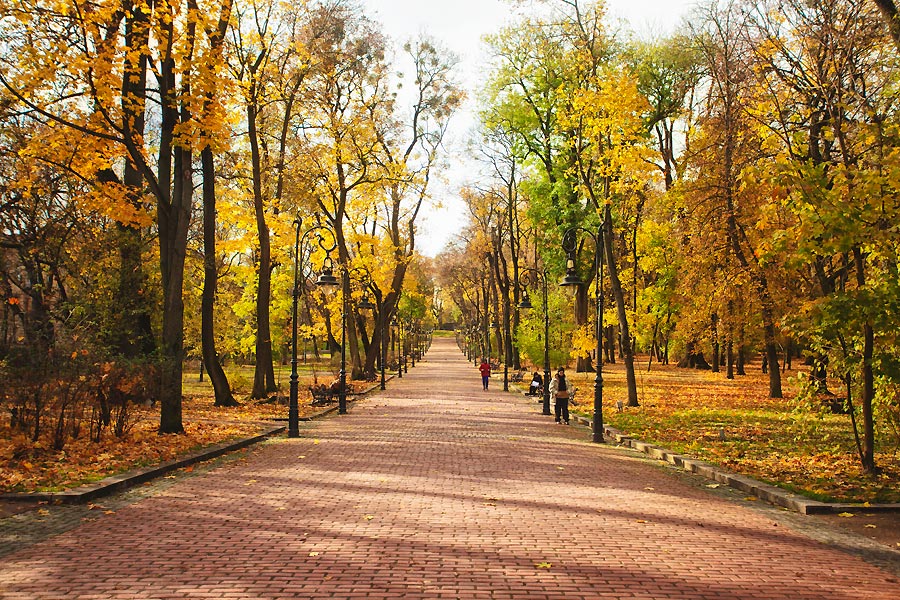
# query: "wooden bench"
[517,376]
[322,395]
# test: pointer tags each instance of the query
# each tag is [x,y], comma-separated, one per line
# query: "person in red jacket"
[485,369]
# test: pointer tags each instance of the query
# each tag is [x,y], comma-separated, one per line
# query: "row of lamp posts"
[571,279]
[327,280]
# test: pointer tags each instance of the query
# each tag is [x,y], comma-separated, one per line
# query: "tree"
[727,147]
[95,84]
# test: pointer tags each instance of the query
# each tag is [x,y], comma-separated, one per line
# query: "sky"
[459,25]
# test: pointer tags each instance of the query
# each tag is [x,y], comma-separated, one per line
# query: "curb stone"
[764,491]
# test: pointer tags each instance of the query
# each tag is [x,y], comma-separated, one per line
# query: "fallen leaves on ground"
[31,467]
[734,424]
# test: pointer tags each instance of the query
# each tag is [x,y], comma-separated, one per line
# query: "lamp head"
[571,279]
[327,278]
[526,301]
[365,303]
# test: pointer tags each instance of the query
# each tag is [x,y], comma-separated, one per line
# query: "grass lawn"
[733,423]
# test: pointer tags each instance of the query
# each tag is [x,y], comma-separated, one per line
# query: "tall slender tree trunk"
[173,219]
[619,296]
[716,353]
[217,375]
[135,330]
[264,373]
[868,376]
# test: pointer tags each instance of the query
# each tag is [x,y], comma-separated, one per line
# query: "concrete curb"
[115,483]
[764,491]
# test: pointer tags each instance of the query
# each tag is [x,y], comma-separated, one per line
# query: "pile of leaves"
[734,424]
[27,466]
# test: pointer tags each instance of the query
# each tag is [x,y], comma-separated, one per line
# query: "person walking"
[559,389]
[485,369]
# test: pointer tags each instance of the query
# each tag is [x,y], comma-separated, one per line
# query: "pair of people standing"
[559,389]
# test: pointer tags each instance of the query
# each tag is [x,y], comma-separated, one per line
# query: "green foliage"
[530,334]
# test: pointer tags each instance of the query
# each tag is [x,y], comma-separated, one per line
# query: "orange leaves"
[773,440]
[27,466]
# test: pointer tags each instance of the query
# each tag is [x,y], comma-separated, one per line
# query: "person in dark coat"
[559,389]
[537,385]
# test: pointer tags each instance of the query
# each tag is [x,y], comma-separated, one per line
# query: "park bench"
[517,376]
[322,395]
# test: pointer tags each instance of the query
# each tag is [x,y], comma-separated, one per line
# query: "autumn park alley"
[434,489]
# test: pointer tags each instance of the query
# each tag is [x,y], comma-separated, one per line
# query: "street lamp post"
[366,304]
[415,340]
[325,279]
[570,243]
[383,356]
[399,326]
[345,291]
[403,352]
[541,276]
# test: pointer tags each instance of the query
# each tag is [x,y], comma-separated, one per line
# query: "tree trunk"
[173,219]
[609,347]
[888,10]
[217,375]
[135,329]
[729,368]
[619,296]
[582,363]
[868,377]
[715,343]
[264,373]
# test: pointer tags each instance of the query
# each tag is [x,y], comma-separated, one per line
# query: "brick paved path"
[437,489]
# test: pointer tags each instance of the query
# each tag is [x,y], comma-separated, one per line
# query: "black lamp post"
[345,292]
[413,328]
[540,276]
[399,326]
[325,279]
[366,304]
[403,346]
[570,243]
[382,351]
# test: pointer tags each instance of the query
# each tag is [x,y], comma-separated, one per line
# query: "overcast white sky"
[459,25]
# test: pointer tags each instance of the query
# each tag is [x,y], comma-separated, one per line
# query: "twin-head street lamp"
[541,277]
[364,304]
[326,279]
[570,243]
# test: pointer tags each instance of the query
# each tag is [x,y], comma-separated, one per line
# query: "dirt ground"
[886,528]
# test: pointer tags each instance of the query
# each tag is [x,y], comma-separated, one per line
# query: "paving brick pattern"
[436,489]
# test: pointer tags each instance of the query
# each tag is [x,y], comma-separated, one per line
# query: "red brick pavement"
[437,489]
